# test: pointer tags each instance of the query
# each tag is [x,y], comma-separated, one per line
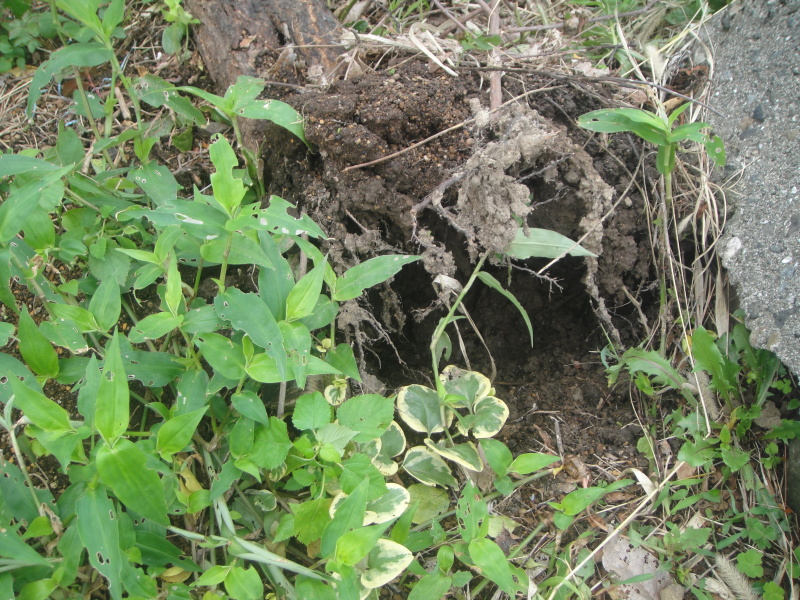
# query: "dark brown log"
[271,39]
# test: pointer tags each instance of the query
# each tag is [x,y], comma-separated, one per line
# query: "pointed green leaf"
[124,469]
[494,284]
[251,406]
[98,528]
[154,326]
[242,250]
[224,356]
[228,189]
[304,295]
[297,342]
[276,111]
[495,566]
[348,516]
[111,412]
[106,304]
[175,434]
[248,313]
[428,468]
[465,454]
[310,519]
[354,545]
[41,411]
[497,455]
[543,243]
[35,348]
[530,462]
[368,274]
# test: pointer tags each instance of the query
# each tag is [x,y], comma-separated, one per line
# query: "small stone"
[758,113]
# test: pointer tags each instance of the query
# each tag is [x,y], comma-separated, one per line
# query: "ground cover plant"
[219,446]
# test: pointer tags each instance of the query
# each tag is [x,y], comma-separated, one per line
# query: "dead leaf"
[624,561]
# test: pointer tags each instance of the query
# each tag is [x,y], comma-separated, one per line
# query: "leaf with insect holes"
[85,54]
[111,411]
[223,354]
[98,526]
[124,469]
[543,243]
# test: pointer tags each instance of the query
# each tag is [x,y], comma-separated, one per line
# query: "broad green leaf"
[157,551]
[274,284]
[240,250]
[470,384]
[495,566]
[65,333]
[646,125]
[173,293]
[112,411]
[6,331]
[224,356]
[228,189]
[324,313]
[244,584]
[357,469]
[432,586]
[428,468]
[197,219]
[343,360]
[543,243]
[368,274]
[579,500]
[313,588]
[98,529]
[271,444]
[106,304]
[154,326]
[497,455]
[496,285]
[12,546]
[249,313]
[472,513]
[22,202]
[389,506]
[311,411]
[11,366]
[349,516]
[297,342]
[213,576]
[88,54]
[123,468]
[77,314]
[697,454]
[716,150]
[419,406]
[157,92]
[367,414]
[336,435]
[39,231]
[41,411]
[303,297]
[35,348]
[175,434]
[153,369]
[157,182]
[14,164]
[276,111]
[490,416]
[465,454]
[311,518]
[735,458]
[530,462]
[201,320]
[724,372]
[251,406]
[385,561]
[356,544]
